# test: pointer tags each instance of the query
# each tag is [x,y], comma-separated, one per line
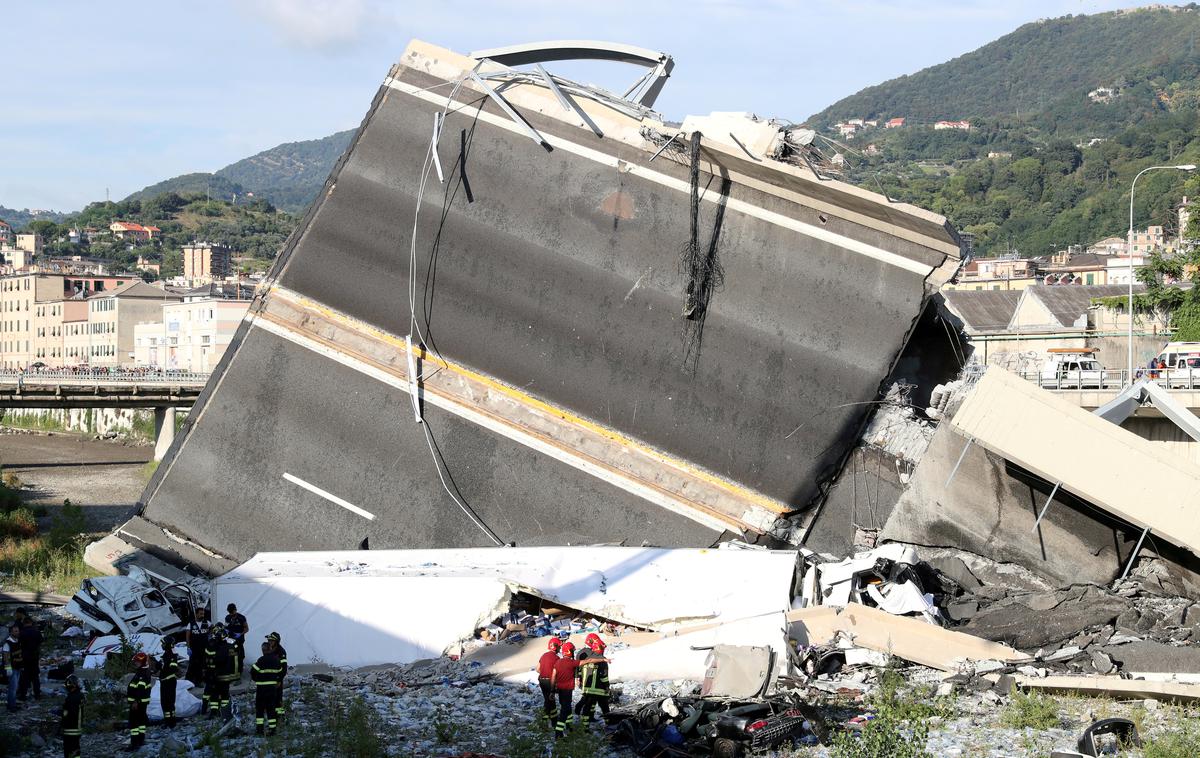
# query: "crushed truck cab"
[135,603]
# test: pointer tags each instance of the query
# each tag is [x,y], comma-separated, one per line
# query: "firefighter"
[545,678]
[138,696]
[565,669]
[168,678]
[266,675]
[225,673]
[215,632]
[281,653]
[236,627]
[197,642]
[593,679]
[72,717]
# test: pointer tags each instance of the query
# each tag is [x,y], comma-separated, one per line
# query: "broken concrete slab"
[1152,656]
[1112,686]
[1032,621]
[1026,425]
[568,363]
[908,638]
[338,597]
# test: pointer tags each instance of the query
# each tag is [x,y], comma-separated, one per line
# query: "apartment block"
[193,334]
[204,262]
[113,315]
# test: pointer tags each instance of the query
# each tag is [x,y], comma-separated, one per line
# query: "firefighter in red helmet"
[137,694]
[565,669]
[593,679]
[546,678]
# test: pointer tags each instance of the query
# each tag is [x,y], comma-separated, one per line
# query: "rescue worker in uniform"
[236,627]
[545,678]
[197,642]
[565,669]
[266,675]
[137,694]
[593,679]
[222,672]
[168,678]
[71,723]
[280,653]
[215,632]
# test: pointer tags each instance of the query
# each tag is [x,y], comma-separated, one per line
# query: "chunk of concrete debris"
[1113,686]
[1102,662]
[901,636]
[1026,621]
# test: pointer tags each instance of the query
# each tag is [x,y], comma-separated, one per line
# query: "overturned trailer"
[525,310]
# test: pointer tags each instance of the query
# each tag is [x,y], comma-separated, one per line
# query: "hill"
[18,219]
[255,230]
[288,176]
[1045,67]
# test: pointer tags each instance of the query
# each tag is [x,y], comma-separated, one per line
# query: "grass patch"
[348,730]
[1182,741]
[148,469]
[1030,710]
[900,728]
[49,562]
[35,566]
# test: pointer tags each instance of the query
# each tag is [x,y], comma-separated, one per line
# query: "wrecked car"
[721,727]
[137,602]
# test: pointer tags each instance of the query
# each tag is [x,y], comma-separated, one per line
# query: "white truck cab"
[1178,365]
[1071,368]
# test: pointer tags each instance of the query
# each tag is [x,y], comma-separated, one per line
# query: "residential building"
[1109,246]
[18,258]
[30,243]
[21,294]
[1102,95]
[847,130]
[193,334]
[1069,267]
[47,332]
[855,121]
[999,154]
[870,122]
[1118,268]
[204,262]
[113,315]
[1007,273]
[6,233]
[76,338]
[893,123]
[149,264]
[1148,240]
[952,125]
[128,230]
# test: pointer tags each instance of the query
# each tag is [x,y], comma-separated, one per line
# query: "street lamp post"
[1129,253]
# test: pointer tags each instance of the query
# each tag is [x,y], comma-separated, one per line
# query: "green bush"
[120,662]
[67,527]
[18,524]
[580,743]
[885,736]
[445,728]
[530,741]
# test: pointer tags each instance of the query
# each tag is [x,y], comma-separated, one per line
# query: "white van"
[1072,368]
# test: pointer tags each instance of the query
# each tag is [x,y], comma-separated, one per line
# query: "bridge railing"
[102,376]
[1106,379]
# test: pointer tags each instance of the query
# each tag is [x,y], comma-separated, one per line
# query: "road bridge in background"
[164,392]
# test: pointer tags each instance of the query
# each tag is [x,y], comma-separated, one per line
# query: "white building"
[113,317]
[192,335]
[1118,268]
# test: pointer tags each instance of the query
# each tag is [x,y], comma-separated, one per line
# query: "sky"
[108,97]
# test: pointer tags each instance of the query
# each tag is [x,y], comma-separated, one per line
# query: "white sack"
[186,704]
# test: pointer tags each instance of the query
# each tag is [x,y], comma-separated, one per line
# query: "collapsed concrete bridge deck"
[564,396]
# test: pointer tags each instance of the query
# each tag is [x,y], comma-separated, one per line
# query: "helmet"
[594,642]
[71,682]
[274,637]
[554,644]
[567,650]
[141,659]
[218,629]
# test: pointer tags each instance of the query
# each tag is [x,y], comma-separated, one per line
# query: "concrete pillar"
[164,431]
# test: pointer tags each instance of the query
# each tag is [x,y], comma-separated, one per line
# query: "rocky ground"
[444,709]
[105,477]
